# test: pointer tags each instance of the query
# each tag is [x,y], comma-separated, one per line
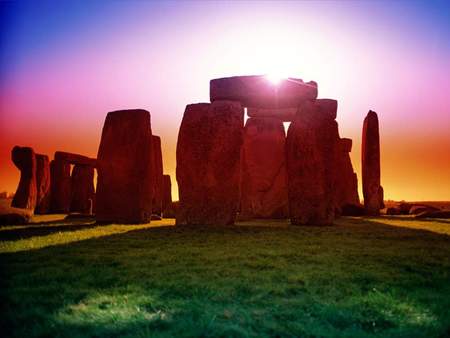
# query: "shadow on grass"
[358,278]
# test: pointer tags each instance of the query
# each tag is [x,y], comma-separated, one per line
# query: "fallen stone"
[372,190]
[434,214]
[393,211]
[26,194]
[311,147]
[257,91]
[264,176]
[42,184]
[124,166]
[82,189]
[158,176]
[208,163]
[417,209]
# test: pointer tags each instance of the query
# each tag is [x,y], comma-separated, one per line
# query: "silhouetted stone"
[372,190]
[283,114]
[352,210]
[26,193]
[60,184]
[167,193]
[75,158]
[258,91]
[158,176]
[264,176]
[42,184]
[434,214]
[405,207]
[208,163]
[15,216]
[82,189]
[171,210]
[346,180]
[393,211]
[311,148]
[124,166]
[417,209]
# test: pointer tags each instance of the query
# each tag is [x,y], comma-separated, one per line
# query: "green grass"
[381,277]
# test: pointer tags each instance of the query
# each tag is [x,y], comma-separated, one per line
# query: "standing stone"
[372,190]
[26,193]
[167,192]
[311,147]
[346,179]
[158,176]
[124,166]
[264,177]
[83,191]
[60,186]
[208,163]
[43,184]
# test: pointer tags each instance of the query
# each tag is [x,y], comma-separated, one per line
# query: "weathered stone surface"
[167,193]
[283,114]
[372,190]
[311,147]
[26,193]
[352,210]
[327,108]
[346,180]
[417,209]
[42,184]
[208,163]
[75,158]
[258,91]
[393,211]
[434,214]
[124,166]
[264,177]
[158,176]
[82,189]
[60,184]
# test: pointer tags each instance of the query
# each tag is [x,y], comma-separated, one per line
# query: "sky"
[65,64]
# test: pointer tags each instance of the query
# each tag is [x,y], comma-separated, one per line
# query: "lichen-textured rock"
[208,163]
[124,166]
[264,176]
[311,148]
[60,186]
[372,190]
[259,92]
[83,191]
[26,194]
[158,176]
[42,184]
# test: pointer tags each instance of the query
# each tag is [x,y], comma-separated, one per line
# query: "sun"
[275,78]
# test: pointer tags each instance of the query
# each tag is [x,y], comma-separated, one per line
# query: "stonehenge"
[370,161]
[167,192]
[125,179]
[157,162]
[26,194]
[82,189]
[264,176]
[208,163]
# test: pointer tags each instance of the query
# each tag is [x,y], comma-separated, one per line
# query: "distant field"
[377,277]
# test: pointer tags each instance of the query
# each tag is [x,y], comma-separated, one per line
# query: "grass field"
[384,277]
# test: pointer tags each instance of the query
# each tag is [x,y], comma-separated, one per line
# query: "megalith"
[346,179]
[208,163]
[167,192]
[60,184]
[370,149]
[42,184]
[311,148]
[124,167]
[158,176]
[26,193]
[264,177]
[82,189]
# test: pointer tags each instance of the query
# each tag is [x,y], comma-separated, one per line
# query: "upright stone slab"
[158,176]
[124,167]
[311,148]
[208,163]
[372,190]
[167,192]
[346,180]
[26,193]
[42,184]
[60,186]
[257,91]
[264,177]
[83,191]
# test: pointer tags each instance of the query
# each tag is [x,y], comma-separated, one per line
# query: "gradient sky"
[64,65]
